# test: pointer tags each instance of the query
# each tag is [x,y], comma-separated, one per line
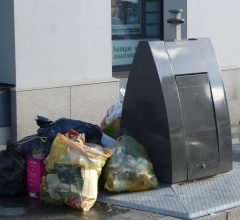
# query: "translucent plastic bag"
[129,168]
[72,171]
[110,125]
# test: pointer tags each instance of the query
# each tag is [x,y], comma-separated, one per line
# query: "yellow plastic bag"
[129,168]
[72,172]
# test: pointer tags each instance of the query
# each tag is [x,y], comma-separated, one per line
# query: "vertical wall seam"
[70,91]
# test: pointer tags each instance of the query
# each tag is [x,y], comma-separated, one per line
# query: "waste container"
[175,105]
[5,113]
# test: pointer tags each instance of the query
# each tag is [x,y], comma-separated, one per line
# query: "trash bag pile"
[63,161]
[14,178]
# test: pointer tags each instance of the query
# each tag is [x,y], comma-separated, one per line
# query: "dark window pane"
[153,18]
[152,6]
[152,30]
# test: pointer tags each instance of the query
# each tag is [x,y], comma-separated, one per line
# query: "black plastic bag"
[49,129]
[13,163]
[12,173]
[27,145]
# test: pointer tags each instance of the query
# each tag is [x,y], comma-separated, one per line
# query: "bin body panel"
[199,125]
[173,110]
[145,114]
[220,104]
[5,109]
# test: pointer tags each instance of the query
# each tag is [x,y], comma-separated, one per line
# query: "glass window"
[126,18]
[133,20]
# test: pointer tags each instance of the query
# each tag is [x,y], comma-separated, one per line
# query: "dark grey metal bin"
[175,105]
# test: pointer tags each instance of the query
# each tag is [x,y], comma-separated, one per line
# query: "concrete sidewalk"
[24,208]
